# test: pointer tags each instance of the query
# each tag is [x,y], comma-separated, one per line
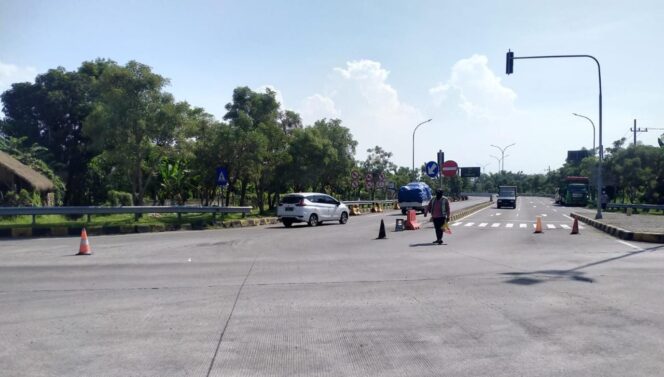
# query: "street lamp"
[509,69]
[593,124]
[502,151]
[483,166]
[497,159]
[416,127]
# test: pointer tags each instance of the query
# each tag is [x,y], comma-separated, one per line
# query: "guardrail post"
[34,219]
[179,217]
[137,216]
[214,218]
[89,217]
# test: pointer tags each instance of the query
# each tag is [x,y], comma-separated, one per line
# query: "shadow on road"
[535,277]
[425,244]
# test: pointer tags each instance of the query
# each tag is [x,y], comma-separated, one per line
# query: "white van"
[312,208]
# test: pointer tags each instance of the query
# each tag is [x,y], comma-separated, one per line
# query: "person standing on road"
[604,199]
[439,208]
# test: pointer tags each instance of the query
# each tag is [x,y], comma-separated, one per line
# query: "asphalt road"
[497,300]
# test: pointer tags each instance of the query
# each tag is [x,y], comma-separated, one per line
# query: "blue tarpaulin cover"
[415,192]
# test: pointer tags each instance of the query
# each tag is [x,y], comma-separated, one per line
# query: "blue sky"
[380,66]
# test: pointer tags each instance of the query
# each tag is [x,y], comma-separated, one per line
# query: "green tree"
[133,123]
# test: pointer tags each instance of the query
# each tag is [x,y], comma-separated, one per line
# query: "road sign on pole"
[432,169]
[222,176]
[450,168]
[469,172]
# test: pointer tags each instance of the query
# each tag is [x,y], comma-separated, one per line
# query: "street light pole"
[502,151]
[593,124]
[497,159]
[416,127]
[509,69]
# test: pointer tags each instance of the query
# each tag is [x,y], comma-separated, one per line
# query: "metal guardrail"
[136,210]
[636,206]
[367,202]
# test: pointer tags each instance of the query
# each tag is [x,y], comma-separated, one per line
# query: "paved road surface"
[331,301]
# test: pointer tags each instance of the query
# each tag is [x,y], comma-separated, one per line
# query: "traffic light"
[509,66]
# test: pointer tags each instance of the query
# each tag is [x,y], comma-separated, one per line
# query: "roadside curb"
[619,232]
[75,231]
[470,210]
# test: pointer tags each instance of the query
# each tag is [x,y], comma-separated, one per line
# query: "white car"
[312,208]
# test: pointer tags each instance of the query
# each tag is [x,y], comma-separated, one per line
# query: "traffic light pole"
[510,70]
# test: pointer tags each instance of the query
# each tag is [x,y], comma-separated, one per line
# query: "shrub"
[119,198]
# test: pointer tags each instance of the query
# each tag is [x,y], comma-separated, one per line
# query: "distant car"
[312,208]
[506,196]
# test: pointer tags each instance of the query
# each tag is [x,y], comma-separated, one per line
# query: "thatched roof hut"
[13,173]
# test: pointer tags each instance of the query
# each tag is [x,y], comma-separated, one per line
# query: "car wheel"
[344,218]
[288,223]
[313,220]
[498,206]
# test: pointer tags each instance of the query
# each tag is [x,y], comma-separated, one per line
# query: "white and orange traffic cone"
[575,227]
[538,225]
[84,249]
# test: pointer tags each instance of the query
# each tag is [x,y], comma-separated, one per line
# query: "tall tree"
[134,122]
[51,112]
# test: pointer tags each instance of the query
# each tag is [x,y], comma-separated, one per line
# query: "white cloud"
[10,73]
[475,89]
[371,107]
[317,107]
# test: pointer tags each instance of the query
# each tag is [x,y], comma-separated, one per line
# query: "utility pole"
[635,130]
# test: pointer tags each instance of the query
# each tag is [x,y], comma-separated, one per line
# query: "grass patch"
[44,221]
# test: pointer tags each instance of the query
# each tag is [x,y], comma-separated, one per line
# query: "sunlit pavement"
[496,300]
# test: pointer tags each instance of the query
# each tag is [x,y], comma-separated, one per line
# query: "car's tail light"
[300,203]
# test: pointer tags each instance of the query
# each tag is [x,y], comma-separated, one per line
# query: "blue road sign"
[222,176]
[432,169]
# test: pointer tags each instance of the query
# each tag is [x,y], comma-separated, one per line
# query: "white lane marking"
[534,206]
[523,225]
[495,225]
[457,223]
[555,210]
[482,225]
[544,214]
[517,215]
[630,245]
[564,226]
[469,224]
[534,225]
[582,227]
[550,226]
[568,217]
[509,225]
[498,214]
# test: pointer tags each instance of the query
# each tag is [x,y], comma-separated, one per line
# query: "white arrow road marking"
[482,225]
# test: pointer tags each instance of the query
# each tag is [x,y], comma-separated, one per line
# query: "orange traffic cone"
[538,225]
[84,249]
[575,227]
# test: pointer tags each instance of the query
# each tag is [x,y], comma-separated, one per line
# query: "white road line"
[582,227]
[523,225]
[534,206]
[630,245]
[457,223]
[482,225]
[564,226]
[568,217]
[517,215]
[509,225]
[498,214]
[550,226]
[535,225]
[555,210]
[495,225]
[469,224]
[544,214]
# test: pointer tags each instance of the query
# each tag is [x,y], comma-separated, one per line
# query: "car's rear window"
[291,199]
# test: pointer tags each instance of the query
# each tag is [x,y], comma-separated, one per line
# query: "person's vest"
[440,202]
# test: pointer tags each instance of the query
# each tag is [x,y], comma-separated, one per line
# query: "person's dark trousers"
[438,225]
